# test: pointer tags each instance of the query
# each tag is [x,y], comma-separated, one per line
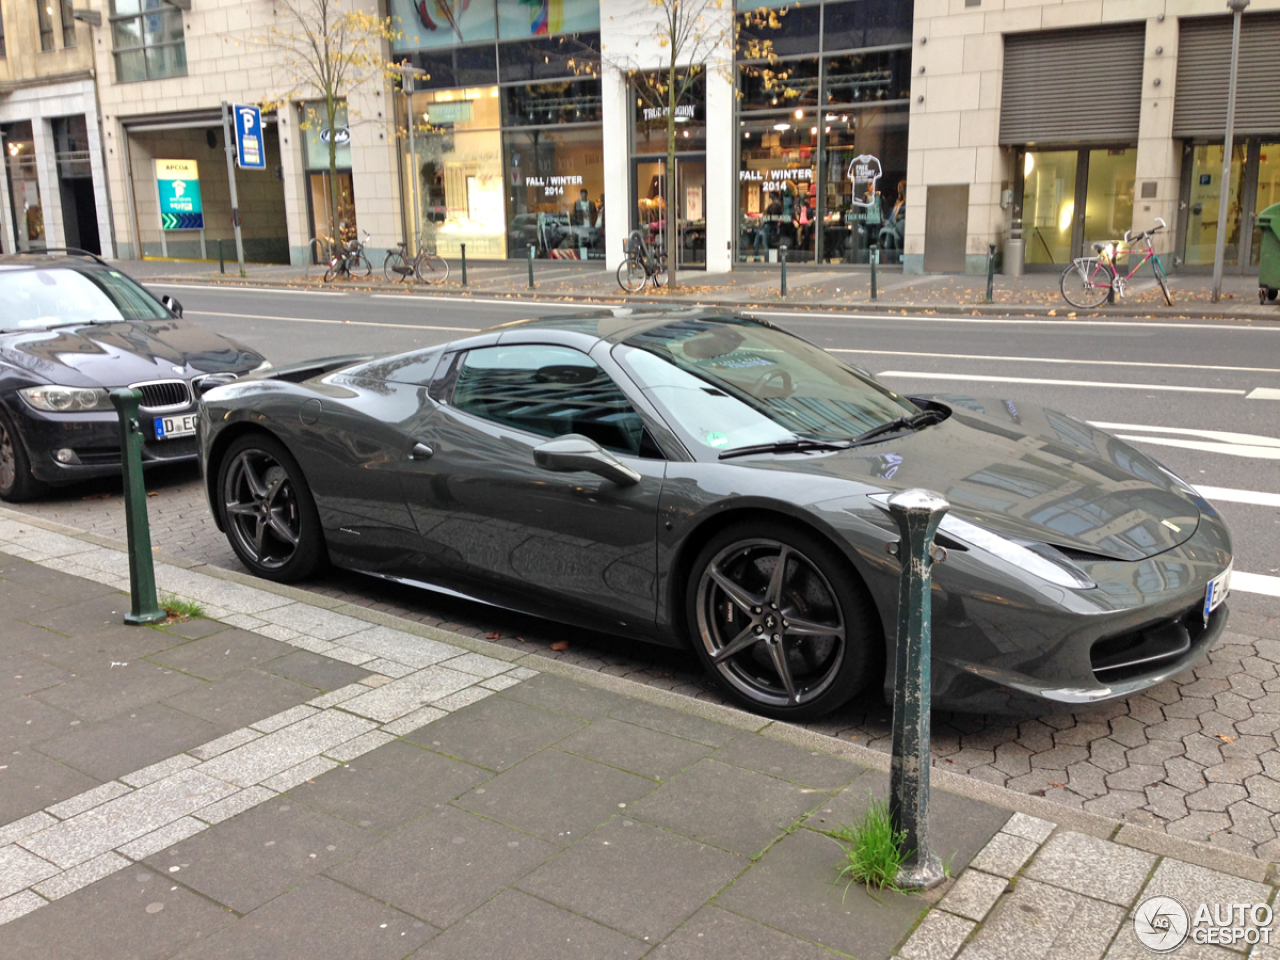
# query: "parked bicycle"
[1091,280]
[426,266]
[349,261]
[644,264]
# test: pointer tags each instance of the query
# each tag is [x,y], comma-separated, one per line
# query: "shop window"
[1049,204]
[1108,207]
[566,101]
[776,86]
[777,187]
[1268,192]
[2,47]
[1206,195]
[791,30]
[866,23]
[864,184]
[24,186]
[573,55]
[315,121]
[423,24]
[556,193]
[44,19]
[855,78]
[650,115]
[148,40]
[68,25]
[454,177]
[458,67]
[542,18]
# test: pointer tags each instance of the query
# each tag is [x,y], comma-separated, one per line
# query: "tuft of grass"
[180,609]
[873,849]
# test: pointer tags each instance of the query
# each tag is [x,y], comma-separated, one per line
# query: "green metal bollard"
[782,258]
[531,266]
[464,264]
[875,261]
[222,261]
[991,270]
[917,514]
[142,576]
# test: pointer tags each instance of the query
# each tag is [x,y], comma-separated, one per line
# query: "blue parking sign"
[250,150]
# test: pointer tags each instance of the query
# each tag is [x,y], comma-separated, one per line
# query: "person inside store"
[893,228]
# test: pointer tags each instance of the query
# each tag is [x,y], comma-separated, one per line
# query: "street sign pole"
[231,177]
[1228,147]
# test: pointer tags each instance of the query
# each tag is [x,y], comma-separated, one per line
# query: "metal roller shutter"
[1073,86]
[1204,64]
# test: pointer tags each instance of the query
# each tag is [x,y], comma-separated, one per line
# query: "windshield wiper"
[791,445]
[913,422]
[77,323]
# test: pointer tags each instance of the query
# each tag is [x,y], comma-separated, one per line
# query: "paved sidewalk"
[832,287]
[279,779]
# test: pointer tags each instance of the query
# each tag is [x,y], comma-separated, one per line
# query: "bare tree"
[326,49]
[697,37]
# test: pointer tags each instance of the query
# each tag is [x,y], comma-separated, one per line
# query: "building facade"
[923,129]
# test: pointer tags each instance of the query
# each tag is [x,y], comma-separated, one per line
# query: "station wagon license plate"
[169,428]
[1217,591]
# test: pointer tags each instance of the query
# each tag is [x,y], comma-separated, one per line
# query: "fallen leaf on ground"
[492,636]
[1052,784]
[97,496]
[560,645]
[1225,739]
[153,493]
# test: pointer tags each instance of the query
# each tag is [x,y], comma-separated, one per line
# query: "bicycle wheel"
[1164,282]
[660,277]
[359,266]
[1085,284]
[631,275]
[395,267]
[332,271]
[433,268]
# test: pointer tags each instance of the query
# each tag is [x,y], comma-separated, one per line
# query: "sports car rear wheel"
[777,616]
[267,510]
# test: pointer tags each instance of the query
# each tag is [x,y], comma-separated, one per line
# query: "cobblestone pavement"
[1197,757]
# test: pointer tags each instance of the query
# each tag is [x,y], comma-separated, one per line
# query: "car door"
[484,507]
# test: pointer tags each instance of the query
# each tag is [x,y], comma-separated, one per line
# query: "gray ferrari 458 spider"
[703,478]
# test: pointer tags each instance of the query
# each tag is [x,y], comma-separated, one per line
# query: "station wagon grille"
[164,393]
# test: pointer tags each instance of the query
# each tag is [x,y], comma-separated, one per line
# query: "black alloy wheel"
[16,480]
[782,621]
[268,512]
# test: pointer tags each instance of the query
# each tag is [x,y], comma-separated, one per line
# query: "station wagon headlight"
[56,399]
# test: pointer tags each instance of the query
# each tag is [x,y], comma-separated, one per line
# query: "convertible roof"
[618,323]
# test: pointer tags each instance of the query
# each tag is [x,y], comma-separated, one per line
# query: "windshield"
[729,383]
[49,295]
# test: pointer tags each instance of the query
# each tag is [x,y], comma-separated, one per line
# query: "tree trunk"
[332,112]
[672,213]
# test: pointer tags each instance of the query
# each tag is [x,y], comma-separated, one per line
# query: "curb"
[994,310]
[1096,825]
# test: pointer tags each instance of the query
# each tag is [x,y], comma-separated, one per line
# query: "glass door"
[1205,200]
[321,201]
[691,217]
[1267,193]
[1049,205]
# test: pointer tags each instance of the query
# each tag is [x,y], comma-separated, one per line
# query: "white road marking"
[981,378]
[1240,496]
[1223,436]
[1058,360]
[1264,393]
[1226,325]
[1255,583]
[1230,449]
[239,288]
[350,323]
[443,298]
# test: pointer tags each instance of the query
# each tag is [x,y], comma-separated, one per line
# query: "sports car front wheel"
[777,616]
[267,510]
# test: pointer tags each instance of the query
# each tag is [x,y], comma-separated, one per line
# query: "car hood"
[124,352]
[1031,473]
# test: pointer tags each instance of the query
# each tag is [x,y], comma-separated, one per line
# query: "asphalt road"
[1193,394]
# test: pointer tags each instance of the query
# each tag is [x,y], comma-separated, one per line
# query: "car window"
[729,383]
[549,391]
[48,295]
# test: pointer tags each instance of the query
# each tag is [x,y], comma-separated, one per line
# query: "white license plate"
[167,428]
[1217,591]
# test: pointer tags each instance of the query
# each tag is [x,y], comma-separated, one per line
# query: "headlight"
[54,399]
[1035,558]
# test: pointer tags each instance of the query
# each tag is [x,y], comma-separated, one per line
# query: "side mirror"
[172,305]
[574,453]
[205,384]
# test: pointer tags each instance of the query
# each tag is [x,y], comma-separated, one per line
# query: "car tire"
[17,483]
[793,671]
[267,510]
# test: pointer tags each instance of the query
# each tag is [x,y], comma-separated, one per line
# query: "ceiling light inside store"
[799,114]
[782,126]
[747,135]
[813,130]
[1029,165]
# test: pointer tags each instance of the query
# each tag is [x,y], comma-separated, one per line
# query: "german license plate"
[1217,591]
[169,428]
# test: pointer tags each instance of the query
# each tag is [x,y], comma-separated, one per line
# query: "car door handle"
[421,451]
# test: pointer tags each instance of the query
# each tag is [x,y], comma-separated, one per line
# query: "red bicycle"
[1091,280]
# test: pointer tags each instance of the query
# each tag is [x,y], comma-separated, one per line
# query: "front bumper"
[94,439]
